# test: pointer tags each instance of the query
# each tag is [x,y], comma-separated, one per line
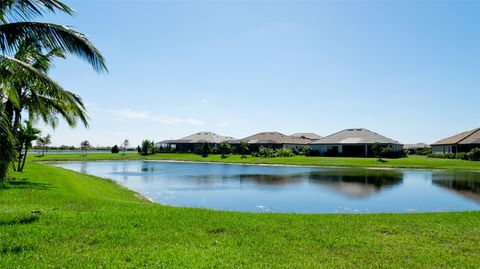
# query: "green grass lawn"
[51,217]
[410,162]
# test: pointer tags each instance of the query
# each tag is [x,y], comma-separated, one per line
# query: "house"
[416,148]
[194,142]
[462,142]
[311,136]
[353,142]
[273,140]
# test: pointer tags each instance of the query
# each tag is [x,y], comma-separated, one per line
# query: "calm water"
[291,189]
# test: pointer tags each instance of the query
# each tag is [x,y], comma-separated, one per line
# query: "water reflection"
[357,183]
[291,189]
[261,179]
[353,183]
[464,184]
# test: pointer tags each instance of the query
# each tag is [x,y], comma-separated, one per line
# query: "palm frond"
[56,36]
[12,69]
[64,103]
[27,9]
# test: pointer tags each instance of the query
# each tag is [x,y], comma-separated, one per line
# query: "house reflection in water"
[260,179]
[352,183]
[357,183]
[461,183]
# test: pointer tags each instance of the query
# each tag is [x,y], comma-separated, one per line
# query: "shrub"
[115,149]
[284,152]
[424,151]
[305,151]
[266,152]
[460,155]
[203,150]
[473,155]
[389,153]
[224,148]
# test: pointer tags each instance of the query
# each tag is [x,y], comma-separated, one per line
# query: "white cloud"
[131,114]
[123,115]
[204,101]
[167,120]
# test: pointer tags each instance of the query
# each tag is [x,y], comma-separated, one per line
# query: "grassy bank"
[53,217]
[416,162]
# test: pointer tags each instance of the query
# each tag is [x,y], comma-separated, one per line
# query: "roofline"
[381,143]
[458,142]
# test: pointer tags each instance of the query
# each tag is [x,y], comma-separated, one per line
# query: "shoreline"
[391,168]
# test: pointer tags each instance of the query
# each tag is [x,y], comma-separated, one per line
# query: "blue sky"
[408,70]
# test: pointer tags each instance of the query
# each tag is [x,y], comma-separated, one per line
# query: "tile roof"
[416,146]
[355,136]
[311,136]
[201,137]
[468,137]
[272,138]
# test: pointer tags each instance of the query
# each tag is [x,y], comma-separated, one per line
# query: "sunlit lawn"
[51,217]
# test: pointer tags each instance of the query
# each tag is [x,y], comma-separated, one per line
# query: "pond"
[255,188]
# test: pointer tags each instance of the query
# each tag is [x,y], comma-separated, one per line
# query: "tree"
[26,134]
[7,145]
[125,144]
[41,101]
[243,148]
[85,146]
[15,30]
[225,148]
[43,142]
[377,150]
[147,148]
[205,150]
[115,149]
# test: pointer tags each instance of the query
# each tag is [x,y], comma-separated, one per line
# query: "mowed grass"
[414,162]
[51,217]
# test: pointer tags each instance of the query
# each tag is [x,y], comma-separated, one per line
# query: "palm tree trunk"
[20,157]
[16,121]
[24,158]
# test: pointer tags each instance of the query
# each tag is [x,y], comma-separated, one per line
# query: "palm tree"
[15,26]
[15,30]
[84,146]
[243,148]
[42,101]
[26,134]
[43,142]
[7,145]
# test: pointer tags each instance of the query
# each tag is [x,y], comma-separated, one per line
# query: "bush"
[203,150]
[147,148]
[473,155]
[224,148]
[460,156]
[425,151]
[284,152]
[305,151]
[389,153]
[115,149]
[266,152]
